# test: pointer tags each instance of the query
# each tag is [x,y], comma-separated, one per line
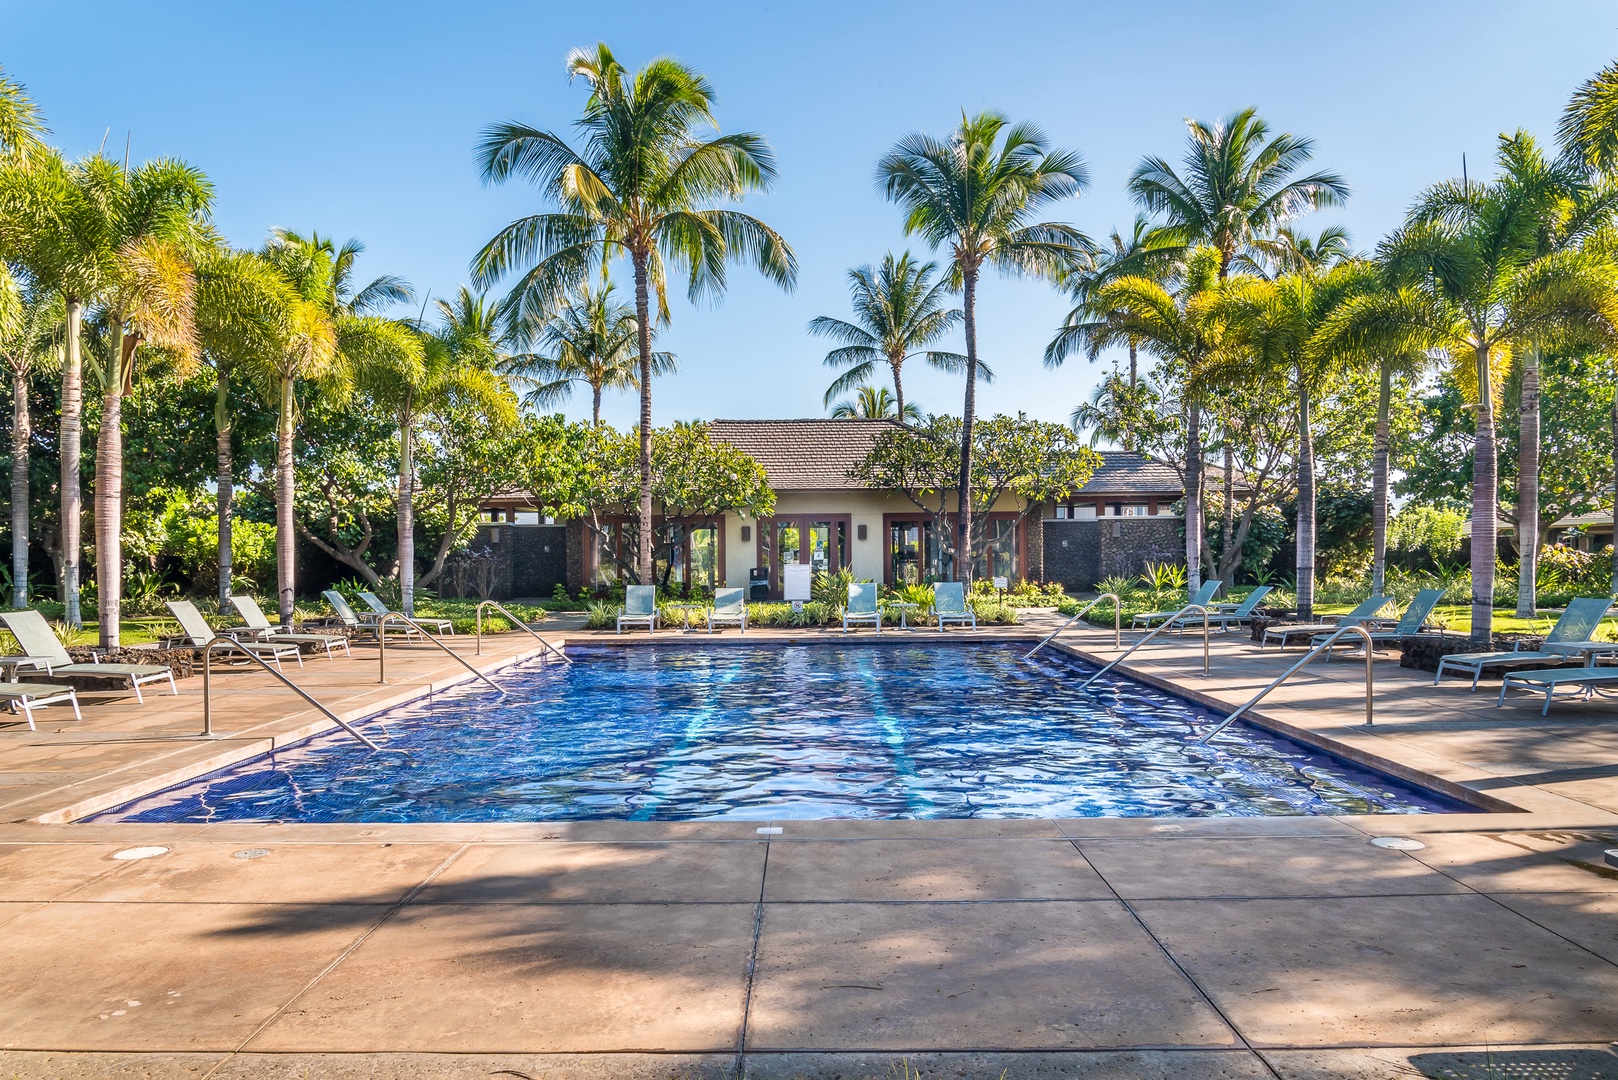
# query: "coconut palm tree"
[875,403]
[978,193]
[29,321]
[643,185]
[898,311]
[591,339]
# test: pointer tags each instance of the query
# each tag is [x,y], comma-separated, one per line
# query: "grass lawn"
[1457,618]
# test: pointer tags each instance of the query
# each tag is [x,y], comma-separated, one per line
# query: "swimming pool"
[681,733]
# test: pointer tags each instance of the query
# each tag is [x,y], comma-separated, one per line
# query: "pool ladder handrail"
[1156,630]
[1323,647]
[1117,623]
[508,613]
[207,690]
[382,649]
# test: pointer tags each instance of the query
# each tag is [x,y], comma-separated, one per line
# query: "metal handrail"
[521,625]
[1156,630]
[207,690]
[1323,647]
[1117,623]
[382,649]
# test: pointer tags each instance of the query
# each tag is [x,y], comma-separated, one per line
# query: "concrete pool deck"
[1267,947]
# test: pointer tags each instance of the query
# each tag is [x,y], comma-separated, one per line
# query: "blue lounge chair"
[1577,623]
[640,608]
[1409,625]
[729,607]
[861,606]
[949,605]
[1203,596]
[1587,679]
[1241,615]
[1365,612]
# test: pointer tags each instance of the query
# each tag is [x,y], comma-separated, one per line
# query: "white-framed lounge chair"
[40,645]
[861,606]
[253,615]
[1409,625]
[352,620]
[950,606]
[31,696]
[640,608]
[1577,623]
[1587,679]
[198,633]
[1240,615]
[1365,611]
[729,608]
[1203,596]
[379,609]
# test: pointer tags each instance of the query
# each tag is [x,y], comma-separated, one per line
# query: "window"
[999,559]
[704,544]
[603,571]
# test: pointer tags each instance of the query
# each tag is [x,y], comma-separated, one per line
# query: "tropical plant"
[875,403]
[29,319]
[898,311]
[589,338]
[1162,577]
[21,125]
[977,193]
[642,186]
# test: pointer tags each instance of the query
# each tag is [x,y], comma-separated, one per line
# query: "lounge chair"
[257,623]
[1589,679]
[1240,615]
[31,696]
[1410,623]
[379,609]
[640,608]
[40,645]
[197,633]
[1203,597]
[352,620]
[1285,632]
[729,606]
[861,606]
[949,605]
[1577,623]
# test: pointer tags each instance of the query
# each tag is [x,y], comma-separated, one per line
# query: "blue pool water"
[811,731]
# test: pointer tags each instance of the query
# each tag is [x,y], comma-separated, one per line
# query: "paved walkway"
[1276,947]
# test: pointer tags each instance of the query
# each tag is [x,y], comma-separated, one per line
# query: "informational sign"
[796,579]
[1000,583]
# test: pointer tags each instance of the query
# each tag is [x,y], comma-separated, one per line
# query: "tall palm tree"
[875,403]
[590,338]
[898,311]
[29,320]
[978,192]
[643,186]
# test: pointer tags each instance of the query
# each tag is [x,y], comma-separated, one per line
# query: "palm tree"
[875,403]
[21,125]
[591,339]
[28,322]
[898,310]
[976,193]
[642,186]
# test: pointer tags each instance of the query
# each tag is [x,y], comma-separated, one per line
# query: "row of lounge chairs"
[729,607]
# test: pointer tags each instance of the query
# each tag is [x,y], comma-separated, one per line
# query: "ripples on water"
[801,731]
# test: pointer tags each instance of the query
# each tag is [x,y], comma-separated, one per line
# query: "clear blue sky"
[359,120]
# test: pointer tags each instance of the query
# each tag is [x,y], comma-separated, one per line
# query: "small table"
[686,609]
[904,613]
[13,664]
[1591,650]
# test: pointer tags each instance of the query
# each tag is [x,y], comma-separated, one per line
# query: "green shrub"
[993,612]
[603,615]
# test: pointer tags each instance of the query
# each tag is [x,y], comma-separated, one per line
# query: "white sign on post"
[1000,583]
[796,579]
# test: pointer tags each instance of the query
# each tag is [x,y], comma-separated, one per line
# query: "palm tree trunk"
[643,335]
[1614,548]
[72,431]
[226,483]
[898,387]
[1134,377]
[1485,513]
[21,433]
[407,514]
[1193,498]
[109,490]
[595,404]
[1227,517]
[1379,484]
[1528,488]
[963,560]
[1306,509]
[285,529]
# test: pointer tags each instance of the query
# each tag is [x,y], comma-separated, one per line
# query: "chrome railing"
[520,625]
[207,690]
[1117,623]
[1323,647]
[1156,630]
[382,649]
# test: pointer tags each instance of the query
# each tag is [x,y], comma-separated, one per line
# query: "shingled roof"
[803,455]
[1125,472]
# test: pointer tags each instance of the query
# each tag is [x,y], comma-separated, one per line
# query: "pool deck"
[1235,948]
